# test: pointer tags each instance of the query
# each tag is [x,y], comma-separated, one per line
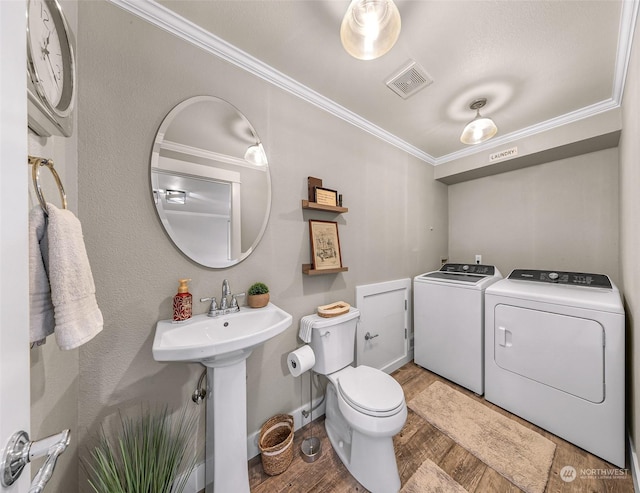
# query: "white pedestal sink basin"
[222,344]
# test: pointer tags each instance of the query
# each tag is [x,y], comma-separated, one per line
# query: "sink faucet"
[225,306]
[226,291]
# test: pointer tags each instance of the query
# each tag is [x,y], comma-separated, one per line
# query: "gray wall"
[131,74]
[561,215]
[630,230]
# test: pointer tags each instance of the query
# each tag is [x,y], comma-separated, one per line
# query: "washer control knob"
[553,276]
[465,267]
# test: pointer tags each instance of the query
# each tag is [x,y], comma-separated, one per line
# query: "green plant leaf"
[152,453]
[258,288]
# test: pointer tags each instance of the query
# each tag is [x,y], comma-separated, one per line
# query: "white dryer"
[448,312]
[555,353]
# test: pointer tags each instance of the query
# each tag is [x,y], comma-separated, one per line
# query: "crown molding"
[627,26]
[574,116]
[170,145]
[628,17]
[173,23]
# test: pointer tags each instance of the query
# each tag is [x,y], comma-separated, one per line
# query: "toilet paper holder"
[311,446]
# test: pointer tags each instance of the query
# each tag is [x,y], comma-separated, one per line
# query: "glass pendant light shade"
[370,28]
[479,129]
[255,155]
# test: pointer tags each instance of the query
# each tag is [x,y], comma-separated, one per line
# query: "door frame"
[14,259]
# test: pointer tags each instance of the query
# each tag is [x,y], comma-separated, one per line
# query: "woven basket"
[276,444]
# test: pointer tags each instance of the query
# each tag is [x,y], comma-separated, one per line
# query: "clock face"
[50,55]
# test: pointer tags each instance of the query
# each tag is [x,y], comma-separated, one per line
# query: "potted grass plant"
[258,295]
[150,453]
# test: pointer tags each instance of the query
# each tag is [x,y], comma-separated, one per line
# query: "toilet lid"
[371,390]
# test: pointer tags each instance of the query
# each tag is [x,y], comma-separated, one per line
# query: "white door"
[14,340]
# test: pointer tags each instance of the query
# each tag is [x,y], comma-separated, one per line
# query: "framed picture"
[324,196]
[325,245]
[312,183]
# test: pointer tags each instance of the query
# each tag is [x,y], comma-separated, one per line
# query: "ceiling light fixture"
[479,129]
[370,28]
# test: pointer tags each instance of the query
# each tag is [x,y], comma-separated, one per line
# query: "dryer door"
[560,351]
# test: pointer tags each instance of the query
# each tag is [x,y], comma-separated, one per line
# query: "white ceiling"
[535,61]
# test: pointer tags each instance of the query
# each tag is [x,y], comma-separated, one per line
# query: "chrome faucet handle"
[213,307]
[234,301]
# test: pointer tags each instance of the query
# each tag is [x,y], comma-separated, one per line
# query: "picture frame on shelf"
[326,196]
[325,245]
[312,183]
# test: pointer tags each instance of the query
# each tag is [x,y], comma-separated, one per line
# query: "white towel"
[41,321]
[77,316]
[306,324]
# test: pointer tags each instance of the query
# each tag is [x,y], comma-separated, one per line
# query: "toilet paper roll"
[301,360]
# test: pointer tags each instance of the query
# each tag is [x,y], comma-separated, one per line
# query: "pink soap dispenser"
[182,302]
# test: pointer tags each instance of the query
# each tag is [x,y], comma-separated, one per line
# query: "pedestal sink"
[222,344]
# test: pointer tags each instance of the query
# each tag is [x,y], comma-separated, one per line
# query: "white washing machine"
[448,313]
[554,354]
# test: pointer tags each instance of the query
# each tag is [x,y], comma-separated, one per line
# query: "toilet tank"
[333,341]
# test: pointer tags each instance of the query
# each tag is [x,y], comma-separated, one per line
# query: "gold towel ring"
[36,163]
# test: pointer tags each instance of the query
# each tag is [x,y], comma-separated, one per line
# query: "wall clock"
[51,69]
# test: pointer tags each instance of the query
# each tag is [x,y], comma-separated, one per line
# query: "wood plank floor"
[419,440]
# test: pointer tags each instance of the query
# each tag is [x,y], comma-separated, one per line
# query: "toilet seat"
[370,391]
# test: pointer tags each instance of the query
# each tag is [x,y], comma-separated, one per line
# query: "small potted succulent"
[258,295]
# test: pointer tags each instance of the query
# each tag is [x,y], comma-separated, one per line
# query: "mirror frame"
[154,163]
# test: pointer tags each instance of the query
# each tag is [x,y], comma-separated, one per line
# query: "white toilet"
[365,407]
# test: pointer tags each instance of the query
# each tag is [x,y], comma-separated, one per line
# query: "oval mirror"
[210,181]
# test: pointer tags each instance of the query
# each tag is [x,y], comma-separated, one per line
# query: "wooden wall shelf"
[308,270]
[319,207]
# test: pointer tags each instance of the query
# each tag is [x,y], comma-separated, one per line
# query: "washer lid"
[371,390]
[473,275]
[455,277]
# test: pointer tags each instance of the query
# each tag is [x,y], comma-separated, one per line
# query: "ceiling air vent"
[409,79]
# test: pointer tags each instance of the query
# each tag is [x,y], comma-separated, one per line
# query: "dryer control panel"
[565,278]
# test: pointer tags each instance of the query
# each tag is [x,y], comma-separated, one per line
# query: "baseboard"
[633,464]
[196,480]
[399,363]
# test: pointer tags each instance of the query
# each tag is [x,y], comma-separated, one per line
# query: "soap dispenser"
[182,302]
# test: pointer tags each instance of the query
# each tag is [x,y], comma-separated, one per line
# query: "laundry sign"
[506,154]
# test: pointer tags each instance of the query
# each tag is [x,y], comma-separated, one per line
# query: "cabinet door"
[382,335]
